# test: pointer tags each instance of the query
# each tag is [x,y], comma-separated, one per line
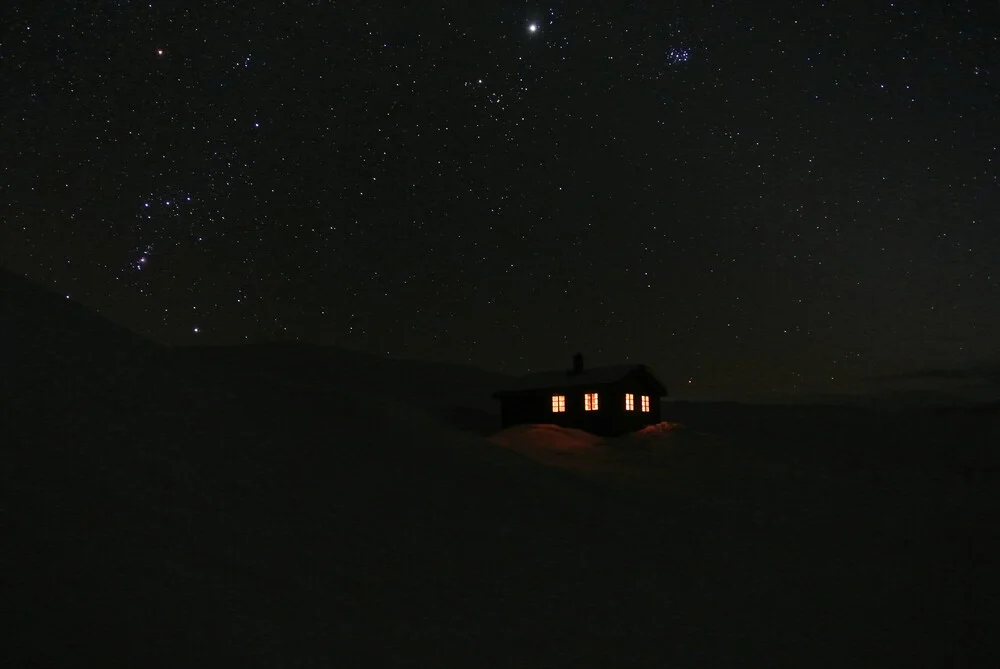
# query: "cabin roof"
[593,376]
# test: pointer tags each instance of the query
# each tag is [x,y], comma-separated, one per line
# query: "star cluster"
[750,199]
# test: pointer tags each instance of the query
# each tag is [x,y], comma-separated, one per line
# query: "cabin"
[607,401]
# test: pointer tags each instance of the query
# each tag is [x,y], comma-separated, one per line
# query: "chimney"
[578,363]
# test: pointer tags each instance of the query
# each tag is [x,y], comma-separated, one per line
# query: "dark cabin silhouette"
[607,401]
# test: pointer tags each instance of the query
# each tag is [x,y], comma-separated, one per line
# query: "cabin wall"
[630,421]
[611,418]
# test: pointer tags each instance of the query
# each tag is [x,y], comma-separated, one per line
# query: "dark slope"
[38,324]
[457,395]
[169,513]
[61,365]
[157,512]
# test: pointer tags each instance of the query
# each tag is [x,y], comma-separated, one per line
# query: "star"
[532,27]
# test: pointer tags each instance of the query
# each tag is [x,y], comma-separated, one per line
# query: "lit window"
[590,402]
[645,403]
[558,403]
[629,402]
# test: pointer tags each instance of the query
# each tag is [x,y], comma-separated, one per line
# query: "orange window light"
[645,403]
[629,402]
[558,403]
[590,402]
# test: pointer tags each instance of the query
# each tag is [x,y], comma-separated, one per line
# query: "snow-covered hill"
[178,510]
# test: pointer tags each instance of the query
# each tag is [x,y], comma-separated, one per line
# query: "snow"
[313,507]
[581,451]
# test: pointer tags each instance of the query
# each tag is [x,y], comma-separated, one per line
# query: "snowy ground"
[185,510]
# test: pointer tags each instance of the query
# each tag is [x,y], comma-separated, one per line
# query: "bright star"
[532,27]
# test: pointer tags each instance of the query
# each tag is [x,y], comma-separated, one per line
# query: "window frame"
[591,401]
[629,401]
[558,404]
[644,399]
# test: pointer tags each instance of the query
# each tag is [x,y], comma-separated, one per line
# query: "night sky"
[752,198]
